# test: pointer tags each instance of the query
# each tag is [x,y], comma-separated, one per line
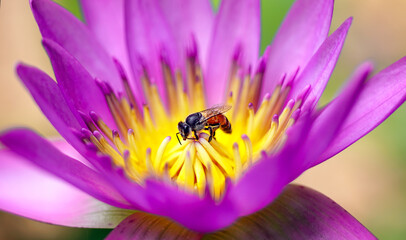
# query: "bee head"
[184,130]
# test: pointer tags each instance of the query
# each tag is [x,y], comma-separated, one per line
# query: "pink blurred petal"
[382,95]
[187,20]
[76,83]
[236,28]
[59,25]
[302,32]
[63,146]
[37,150]
[297,213]
[30,192]
[321,65]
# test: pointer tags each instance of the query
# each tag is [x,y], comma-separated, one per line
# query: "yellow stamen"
[160,152]
[237,159]
[146,147]
[148,162]
[200,176]
[119,144]
[189,172]
[248,150]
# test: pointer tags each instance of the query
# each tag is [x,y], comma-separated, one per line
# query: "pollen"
[143,140]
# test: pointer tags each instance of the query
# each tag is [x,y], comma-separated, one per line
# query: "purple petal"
[130,190]
[302,32]
[76,83]
[148,38]
[28,191]
[105,20]
[236,28]
[319,69]
[193,212]
[188,20]
[265,179]
[146,226]
[49,98]
[37,150]
[331,119]
[298,213]
[382,95]
[59,25]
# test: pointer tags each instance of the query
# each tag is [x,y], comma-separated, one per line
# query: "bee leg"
[211,133]
[214,130]
[197,137]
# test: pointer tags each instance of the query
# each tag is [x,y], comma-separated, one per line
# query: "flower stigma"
[144,143]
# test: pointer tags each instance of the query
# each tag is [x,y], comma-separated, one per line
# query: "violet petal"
[321,65]
[330,120]
[382,95]
[49,98]
[76,83]
[59,25]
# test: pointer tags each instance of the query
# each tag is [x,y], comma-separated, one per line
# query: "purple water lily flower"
[138,67]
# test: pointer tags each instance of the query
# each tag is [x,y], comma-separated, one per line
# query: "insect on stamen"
[209,119]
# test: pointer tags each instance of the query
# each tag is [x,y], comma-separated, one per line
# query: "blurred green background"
[367,180]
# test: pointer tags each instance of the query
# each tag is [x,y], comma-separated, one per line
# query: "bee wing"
[214,111]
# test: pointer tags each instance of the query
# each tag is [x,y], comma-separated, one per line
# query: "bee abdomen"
[226,126]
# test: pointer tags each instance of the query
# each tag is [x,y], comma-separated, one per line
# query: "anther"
[250,120]
[88,121]
[304,93]
[101,125]
[296,114]
[191,49]
[117,141]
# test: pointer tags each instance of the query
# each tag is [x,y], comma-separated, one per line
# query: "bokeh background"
[368,179]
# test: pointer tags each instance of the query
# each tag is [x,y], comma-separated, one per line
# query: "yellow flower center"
[145,143]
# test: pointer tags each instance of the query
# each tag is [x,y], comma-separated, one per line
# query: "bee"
[210,119]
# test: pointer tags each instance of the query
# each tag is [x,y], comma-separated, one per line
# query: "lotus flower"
[136,68]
